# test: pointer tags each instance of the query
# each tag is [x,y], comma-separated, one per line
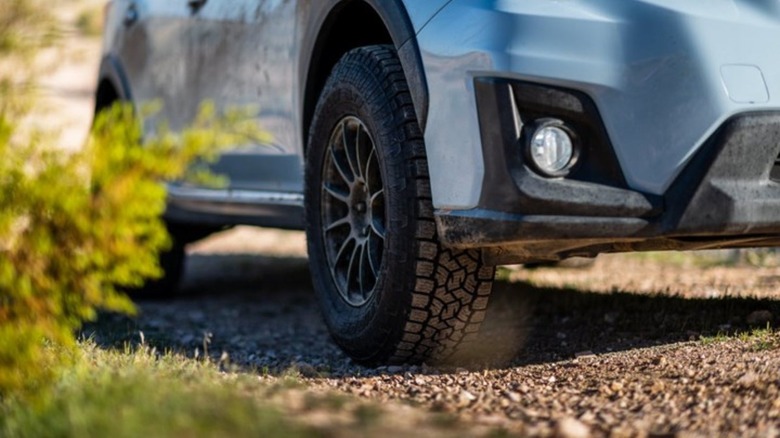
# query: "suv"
[420,143]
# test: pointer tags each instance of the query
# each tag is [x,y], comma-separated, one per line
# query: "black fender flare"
[398,24]
[111,70]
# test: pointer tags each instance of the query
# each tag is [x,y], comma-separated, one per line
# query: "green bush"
[25,27]
[76,228]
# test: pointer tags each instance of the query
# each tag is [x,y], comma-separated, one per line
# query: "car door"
[241,55]
[149,45]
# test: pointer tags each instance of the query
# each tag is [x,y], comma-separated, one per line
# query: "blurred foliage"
[78,227]
[90,21]
[158,395]
[25,27]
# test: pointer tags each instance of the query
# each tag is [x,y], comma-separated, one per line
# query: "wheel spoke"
[378,229]
[336,193]
[373,249]
[337,224]
[377,225]
[353,260]
[350,150]
[368,173]
[362,271]
[339,166]
[358,161]
[341,253]
[377,195]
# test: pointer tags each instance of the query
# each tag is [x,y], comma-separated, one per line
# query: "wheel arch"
[380,22]
[112,84]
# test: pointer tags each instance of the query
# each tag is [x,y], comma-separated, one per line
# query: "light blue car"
[420,143]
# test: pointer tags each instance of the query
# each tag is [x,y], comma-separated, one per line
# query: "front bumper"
[727,196]
[665,75]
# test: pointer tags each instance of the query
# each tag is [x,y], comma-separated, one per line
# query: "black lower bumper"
[727,195]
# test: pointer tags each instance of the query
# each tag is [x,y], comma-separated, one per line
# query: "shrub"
[78,227]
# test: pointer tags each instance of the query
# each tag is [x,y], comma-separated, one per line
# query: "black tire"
[412,300]
[172,262]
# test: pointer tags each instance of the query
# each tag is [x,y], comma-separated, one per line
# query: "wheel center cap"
[359,201]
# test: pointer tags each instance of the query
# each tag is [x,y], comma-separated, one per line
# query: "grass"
[140,391]
[758,257]
[759,339]
[719,338]
[144,393]
[694,259]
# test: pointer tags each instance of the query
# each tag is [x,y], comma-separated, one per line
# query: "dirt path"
[582,352]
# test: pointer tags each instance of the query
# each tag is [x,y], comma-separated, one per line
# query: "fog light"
[552,148]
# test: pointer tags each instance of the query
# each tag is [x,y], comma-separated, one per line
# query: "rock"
[748,379]
[513,396]
[465,398]
[658,387]
[394,369]
[306,369]
[584,354]
[571,428]
[616,386]
[759,317]
[465,395]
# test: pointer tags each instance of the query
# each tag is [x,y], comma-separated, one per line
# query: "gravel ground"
[651,351]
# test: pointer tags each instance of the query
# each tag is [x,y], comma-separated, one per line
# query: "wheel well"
[350,25]
[106,95]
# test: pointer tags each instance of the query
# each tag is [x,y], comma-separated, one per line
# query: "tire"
[172,262]
[388,290]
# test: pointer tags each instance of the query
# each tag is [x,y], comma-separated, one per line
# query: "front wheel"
[389,291]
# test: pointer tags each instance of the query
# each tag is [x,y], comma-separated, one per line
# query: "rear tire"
[389,291]
[172,262]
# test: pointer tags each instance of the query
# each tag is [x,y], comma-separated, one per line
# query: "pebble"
[748,379]
[511,395]
[571,428]
[759,317]
[306,369]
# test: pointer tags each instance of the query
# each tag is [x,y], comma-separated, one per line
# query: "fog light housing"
[552,148]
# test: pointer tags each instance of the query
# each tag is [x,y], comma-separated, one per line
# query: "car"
[422,143]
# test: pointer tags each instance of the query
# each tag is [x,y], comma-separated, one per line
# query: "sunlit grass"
[146,393]
[759,339]
[142,392]
[694,259]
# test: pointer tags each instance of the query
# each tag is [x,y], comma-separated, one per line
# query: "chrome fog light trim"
[552,148]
